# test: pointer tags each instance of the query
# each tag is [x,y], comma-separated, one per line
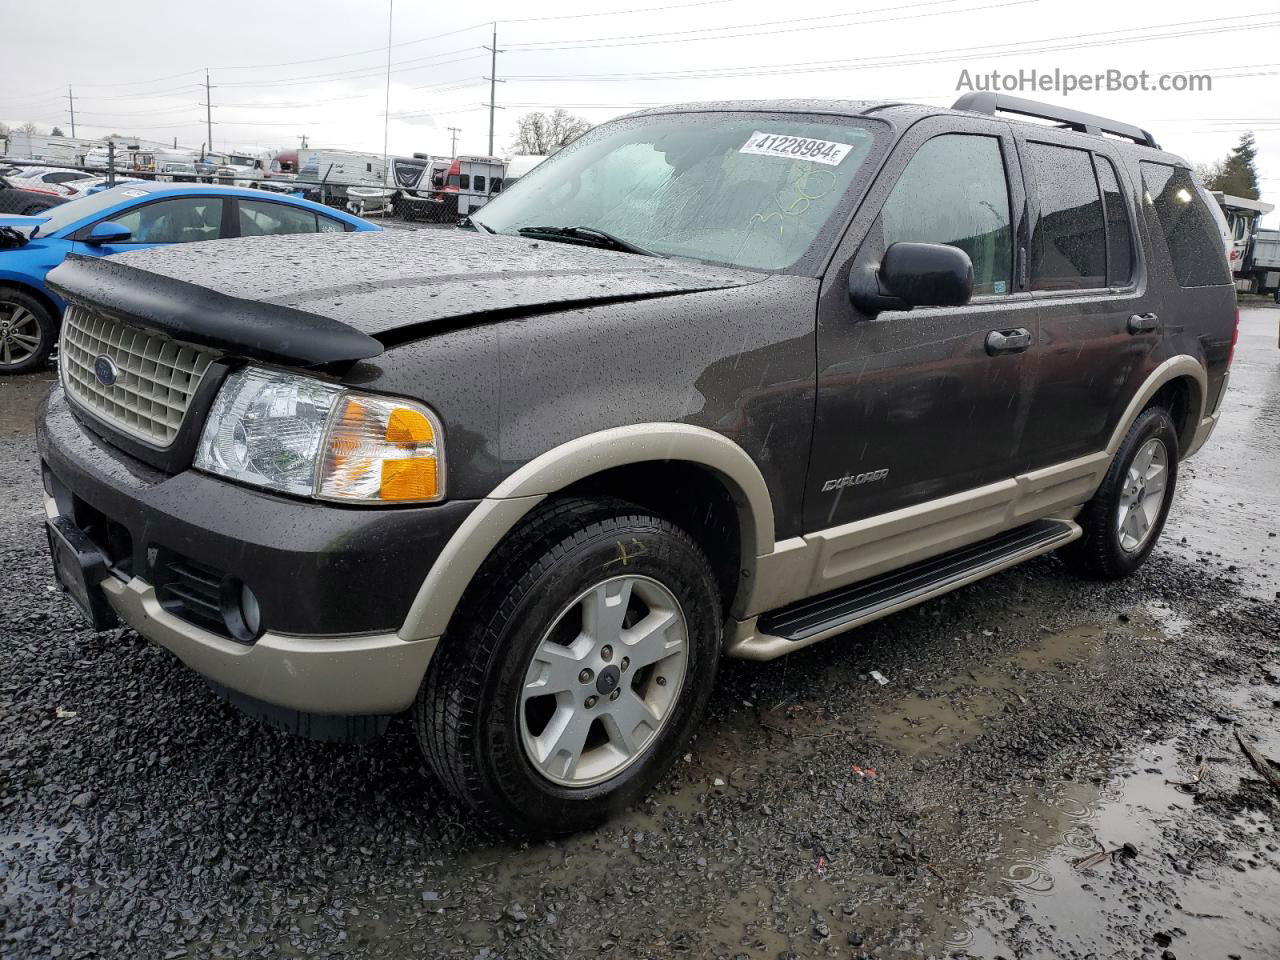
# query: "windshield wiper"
[589,236]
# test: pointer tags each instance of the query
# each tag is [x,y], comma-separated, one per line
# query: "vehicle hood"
[382,288]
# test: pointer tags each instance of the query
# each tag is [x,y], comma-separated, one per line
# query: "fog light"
[250,612]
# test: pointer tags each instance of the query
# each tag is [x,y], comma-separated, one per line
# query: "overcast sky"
[319,68]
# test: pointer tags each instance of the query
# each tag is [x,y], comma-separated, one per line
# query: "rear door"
[912,405]
[1099,314]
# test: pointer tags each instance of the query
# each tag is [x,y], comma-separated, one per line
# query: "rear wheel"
[577,668]
[1123,520]
[28,331]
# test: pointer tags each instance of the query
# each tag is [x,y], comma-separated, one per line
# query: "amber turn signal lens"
[382,450]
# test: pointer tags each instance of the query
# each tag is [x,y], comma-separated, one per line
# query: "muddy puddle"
[1116,848]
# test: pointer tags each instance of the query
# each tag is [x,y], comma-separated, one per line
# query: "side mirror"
[913,275]
[108,231]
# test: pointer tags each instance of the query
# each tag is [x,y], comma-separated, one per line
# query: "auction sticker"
[796,148]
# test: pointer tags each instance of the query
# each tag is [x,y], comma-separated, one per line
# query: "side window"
[1189,232]
[180,220]
[495,185]
[479,184]
[329,225]
[464,181]
[261,218]
[954,191]
[1069,249]
[1119,232]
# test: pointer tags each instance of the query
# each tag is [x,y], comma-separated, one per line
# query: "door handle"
[1008,341]
[1143,323]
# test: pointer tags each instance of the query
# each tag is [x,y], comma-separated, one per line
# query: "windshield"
[73,211]
[748,190]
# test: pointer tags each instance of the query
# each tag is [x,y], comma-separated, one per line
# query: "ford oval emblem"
[105,369]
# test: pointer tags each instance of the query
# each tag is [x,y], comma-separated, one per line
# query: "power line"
[786,26]
[899,60]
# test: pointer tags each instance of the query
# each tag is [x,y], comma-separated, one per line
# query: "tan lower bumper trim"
[344,676]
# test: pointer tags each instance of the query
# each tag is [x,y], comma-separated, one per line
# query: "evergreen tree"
[1238,177]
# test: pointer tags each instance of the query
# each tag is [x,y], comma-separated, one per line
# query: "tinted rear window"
[1189,232]
[1069,250]
[1119,233]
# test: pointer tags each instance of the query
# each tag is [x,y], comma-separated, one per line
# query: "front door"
[915,405]
[172,220]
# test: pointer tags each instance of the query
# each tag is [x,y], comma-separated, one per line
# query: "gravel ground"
[1006,794]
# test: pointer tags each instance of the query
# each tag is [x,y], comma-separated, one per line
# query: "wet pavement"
[1051,771]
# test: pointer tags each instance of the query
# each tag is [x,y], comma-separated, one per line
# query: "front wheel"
[577,669]
[28,331]
[1123,520]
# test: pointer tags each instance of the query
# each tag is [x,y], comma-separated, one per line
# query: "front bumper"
[346,676]
[334,583]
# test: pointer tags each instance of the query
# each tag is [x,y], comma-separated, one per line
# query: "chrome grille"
[155,381]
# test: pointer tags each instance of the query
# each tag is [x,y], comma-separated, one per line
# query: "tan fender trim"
[586,456]
[1173,368]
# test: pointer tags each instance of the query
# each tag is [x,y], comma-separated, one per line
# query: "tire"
[1109,550]
[482,723]
[24,319]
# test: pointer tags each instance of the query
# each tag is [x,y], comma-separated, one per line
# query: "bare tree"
[29,128]
[540,134]
[1206,173]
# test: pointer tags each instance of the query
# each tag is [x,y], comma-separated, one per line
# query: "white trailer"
[475,179]
[69,151]
[332,171]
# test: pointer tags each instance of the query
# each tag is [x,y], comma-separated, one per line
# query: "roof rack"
[992,103]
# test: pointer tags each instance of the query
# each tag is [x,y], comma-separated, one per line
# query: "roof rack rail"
[992,103]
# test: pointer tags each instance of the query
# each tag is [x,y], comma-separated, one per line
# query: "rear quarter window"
[1069,249]
[1174,205]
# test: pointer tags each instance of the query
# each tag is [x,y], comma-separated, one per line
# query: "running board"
[808,621]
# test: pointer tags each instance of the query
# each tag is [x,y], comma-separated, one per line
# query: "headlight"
[300,435]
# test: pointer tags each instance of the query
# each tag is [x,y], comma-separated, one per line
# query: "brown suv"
[713,380]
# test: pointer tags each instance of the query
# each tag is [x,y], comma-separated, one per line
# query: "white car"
[67,183]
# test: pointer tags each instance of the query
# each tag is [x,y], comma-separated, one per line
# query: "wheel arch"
[32,290]
[1181,384]
[598,462]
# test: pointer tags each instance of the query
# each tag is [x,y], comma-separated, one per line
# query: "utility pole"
[208,109]
[493,79]
[453,149]
[386,106]
[303,144]
[72,100]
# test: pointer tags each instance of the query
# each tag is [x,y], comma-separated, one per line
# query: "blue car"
[131,216]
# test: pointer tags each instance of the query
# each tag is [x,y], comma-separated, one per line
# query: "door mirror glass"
[108,231]
[913,275]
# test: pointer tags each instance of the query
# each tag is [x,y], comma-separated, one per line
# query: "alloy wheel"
[1142,495]
[603,680]
[19,334]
